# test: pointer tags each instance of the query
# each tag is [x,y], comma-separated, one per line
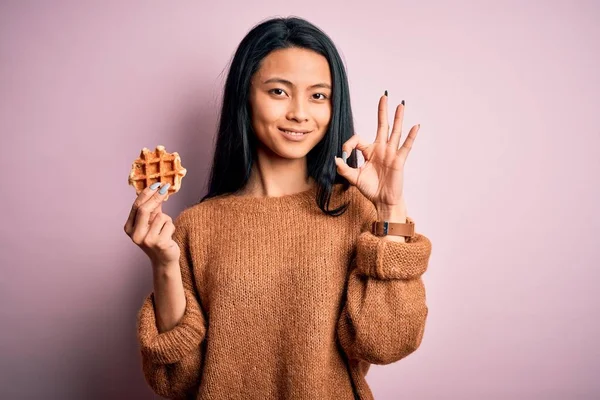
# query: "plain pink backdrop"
[503,179]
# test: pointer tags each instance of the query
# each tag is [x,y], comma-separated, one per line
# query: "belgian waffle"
[157,166]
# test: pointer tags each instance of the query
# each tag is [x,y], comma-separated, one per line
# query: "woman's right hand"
[151,229]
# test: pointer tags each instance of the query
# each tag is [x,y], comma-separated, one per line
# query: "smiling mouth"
[293,133]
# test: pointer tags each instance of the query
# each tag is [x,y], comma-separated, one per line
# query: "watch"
[383,228]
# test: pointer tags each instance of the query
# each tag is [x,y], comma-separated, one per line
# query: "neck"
[274,176]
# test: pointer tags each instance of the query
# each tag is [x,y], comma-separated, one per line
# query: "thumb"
[351,174]
[157,211]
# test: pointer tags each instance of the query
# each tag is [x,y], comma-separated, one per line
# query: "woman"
[274,286]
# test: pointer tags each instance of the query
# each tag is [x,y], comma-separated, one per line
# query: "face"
[290,100]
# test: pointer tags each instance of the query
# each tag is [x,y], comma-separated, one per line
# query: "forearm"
[169,296]
[171,328]
[384,316]
[382,321]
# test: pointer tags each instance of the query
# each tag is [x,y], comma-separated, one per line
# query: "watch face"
[380,228]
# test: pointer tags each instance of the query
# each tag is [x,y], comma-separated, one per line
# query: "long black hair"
[235,148]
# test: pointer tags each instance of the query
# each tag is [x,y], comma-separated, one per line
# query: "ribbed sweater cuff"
[384,259]
[171,346]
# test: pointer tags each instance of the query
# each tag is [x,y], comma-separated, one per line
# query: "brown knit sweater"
[285,302]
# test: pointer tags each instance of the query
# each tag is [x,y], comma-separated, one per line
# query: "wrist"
[392,213]
[167,270]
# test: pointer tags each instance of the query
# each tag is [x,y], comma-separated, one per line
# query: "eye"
[277,92]
[321,94]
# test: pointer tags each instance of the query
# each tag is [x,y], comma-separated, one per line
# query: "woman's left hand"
[381,177]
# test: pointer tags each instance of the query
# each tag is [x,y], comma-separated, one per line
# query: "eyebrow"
[288,83]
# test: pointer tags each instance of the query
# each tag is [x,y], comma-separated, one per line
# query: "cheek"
[260,115]
[322,115]
[267,114]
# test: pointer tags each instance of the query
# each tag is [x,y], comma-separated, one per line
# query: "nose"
[297,110]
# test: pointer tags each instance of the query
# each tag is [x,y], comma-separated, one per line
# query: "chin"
[286,149]
[292,154]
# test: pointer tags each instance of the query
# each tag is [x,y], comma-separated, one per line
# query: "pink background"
[502,178]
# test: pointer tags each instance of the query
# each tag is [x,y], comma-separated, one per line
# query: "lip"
[294,130]
[294,138]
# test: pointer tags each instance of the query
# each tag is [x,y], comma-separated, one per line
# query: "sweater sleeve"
[383,318]
[171,360]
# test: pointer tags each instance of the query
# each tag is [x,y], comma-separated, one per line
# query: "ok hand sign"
[381,177]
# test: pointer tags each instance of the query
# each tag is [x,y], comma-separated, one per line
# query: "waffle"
[157,166]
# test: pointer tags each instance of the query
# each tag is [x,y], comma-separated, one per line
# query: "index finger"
[144,195]
[357,142]
[149,206]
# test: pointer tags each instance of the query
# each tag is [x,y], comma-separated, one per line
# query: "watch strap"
[383,228]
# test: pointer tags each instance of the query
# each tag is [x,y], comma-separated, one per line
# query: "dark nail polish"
[402,102]
[386,92]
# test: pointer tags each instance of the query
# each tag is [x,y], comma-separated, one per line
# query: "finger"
[153,205]
[141,199]
[167,231]
[357,142]
[165,239]
[155,228]
[351,174]
[408,143]
[383,127]
[154,213]
[142,218]
[397,128]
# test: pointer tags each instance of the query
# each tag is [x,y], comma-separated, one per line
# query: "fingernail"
[402,102]
[164,189]
[344,157]
[154,186]
[386,92]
